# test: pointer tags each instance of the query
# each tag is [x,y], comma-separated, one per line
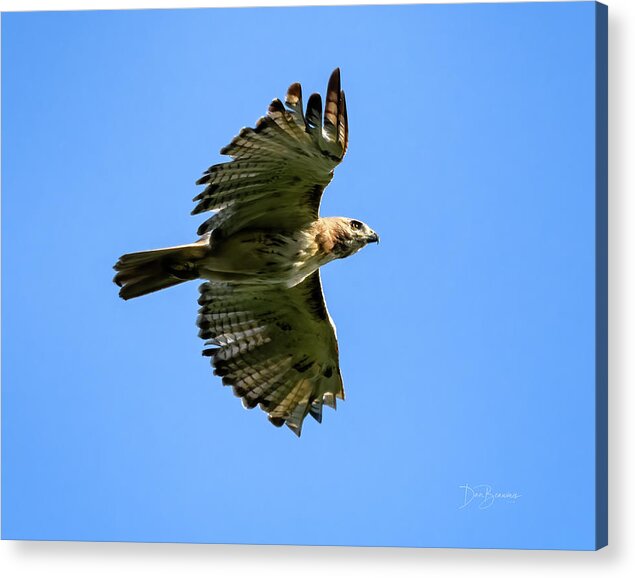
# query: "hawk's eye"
[356,225]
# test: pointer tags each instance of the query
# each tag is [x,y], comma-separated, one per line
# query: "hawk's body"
[262,308]
[260,256]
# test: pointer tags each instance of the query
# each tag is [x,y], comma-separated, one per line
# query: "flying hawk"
[262,313]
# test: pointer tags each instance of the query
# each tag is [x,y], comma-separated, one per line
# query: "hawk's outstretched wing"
[280,168]
[276,347]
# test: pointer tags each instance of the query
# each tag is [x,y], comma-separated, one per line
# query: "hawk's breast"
[264,257]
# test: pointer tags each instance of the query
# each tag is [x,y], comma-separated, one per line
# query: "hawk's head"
[349,236]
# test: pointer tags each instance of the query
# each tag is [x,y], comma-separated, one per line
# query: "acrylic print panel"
[471,340]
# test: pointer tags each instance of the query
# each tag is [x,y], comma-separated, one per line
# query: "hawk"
[262,312]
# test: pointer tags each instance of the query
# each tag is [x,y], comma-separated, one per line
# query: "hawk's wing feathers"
[275,346]
[280,167]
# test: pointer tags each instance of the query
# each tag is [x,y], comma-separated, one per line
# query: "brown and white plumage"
[280,168]
[276,347]
[262,314]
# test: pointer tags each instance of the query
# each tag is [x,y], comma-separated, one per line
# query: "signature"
[484,496]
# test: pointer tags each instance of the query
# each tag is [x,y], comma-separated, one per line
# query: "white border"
[25,5]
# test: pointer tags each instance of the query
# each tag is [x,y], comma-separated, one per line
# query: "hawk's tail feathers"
[148,271]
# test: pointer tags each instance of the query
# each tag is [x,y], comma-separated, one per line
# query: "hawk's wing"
[280,168]
[276,347]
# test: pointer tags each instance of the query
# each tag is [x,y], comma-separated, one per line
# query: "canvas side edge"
[601,275]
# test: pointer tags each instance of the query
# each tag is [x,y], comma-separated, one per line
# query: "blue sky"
[466,337]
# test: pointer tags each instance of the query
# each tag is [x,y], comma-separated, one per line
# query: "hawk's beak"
[373,238]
